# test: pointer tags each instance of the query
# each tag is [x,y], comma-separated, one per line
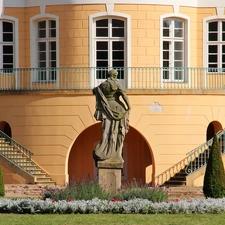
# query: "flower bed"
[141,206]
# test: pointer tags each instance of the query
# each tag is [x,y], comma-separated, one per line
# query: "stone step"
[24,190]
[185,192]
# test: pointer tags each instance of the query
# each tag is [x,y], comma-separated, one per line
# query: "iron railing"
[16,153]
[195,160]
[198,157]
[131,78]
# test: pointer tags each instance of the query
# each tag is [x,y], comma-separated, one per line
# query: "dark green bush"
[214,179]
[2,186]
[138,189]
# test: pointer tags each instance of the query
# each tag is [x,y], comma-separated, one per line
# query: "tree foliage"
[214,179]
[2,185]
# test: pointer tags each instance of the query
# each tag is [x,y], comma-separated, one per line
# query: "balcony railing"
[131,78]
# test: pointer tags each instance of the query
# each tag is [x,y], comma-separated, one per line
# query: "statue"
[114,115]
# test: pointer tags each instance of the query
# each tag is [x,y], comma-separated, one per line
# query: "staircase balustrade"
[195,160]
[17,154]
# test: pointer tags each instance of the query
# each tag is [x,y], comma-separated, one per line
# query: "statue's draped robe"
[115,121]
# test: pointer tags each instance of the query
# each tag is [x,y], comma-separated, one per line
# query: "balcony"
[132,78]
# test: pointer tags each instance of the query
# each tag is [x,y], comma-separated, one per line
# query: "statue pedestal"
[109,176]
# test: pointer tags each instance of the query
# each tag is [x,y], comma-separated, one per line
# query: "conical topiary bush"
[214,179]
[2,186]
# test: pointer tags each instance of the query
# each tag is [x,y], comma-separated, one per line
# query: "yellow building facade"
[171,61]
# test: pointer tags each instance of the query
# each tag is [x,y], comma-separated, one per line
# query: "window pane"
[52,33]
[166,74]
[212,58]
[7,27]
[102,28]
[52,55]
[102,55]
[165,63]
[213,36]
[7,37]
[223,48]
[118,45]
[117,23]
[52,24]
[102,63]
[212,48]
[117,28]
[101,45]
[166,32]
[178,64]
[42,29]
[7,59]
[42,46]
[42,24]
[118,32]
[42,33]
[165,54]
[213,26]
[101,32]
[42,64]
[52,45]
[178,46]
[118,54]
[223,26]
[117,64]
[178,24]
[178,33]
[223,58]
[166,45]
[7,49]
[166,23]
[178,55]
[102,23]
[178,75]
[42,56]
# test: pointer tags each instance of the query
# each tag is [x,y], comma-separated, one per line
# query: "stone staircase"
[184,192]
[19,159]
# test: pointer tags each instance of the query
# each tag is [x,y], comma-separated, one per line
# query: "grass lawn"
[115,219]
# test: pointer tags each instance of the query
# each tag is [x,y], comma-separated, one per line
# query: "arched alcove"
[139,160]
[213,128]
[5,127]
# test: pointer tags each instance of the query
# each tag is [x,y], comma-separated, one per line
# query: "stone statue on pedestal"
[114,115]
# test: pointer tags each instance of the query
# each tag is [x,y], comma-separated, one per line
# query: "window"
[110,44]
[7,43]
[173,50]
[216,45]
[46,50]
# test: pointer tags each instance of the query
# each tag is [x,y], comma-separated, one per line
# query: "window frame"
[186,49]
[109,14]
[34,61]
[14,43]
[219,43]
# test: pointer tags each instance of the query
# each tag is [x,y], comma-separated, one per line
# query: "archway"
[139,159]
[4,126]
[213,128]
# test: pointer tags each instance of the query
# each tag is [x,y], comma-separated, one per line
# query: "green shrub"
[214,179]
[85,189]
[2,186]
[138,189]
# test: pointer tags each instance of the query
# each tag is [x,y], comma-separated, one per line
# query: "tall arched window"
[173,48]
[216,45]
[7,45]
[110,46]
[46,45]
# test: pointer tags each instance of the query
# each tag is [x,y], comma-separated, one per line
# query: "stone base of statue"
[109,175]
